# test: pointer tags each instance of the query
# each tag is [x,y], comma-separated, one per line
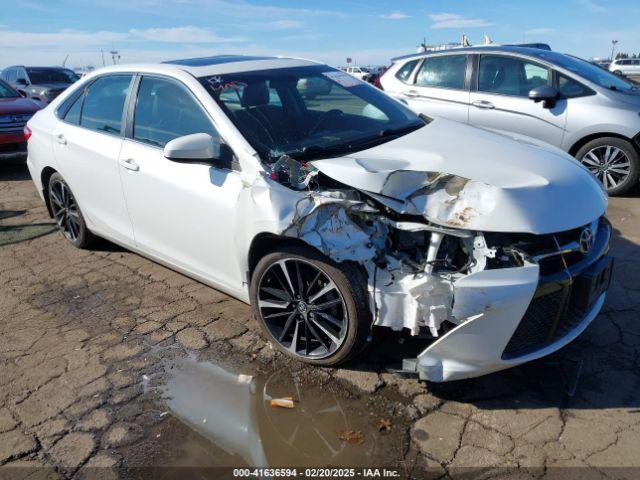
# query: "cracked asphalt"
[77,331]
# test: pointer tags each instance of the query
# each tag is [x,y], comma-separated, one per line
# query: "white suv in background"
[625,66]
[558,99]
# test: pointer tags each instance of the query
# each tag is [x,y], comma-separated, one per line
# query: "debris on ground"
[285,402]
[354,437]
[385,425]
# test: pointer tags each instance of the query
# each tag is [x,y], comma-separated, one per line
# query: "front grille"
[563,298]
[550,317]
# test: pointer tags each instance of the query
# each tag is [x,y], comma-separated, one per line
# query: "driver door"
[182,213]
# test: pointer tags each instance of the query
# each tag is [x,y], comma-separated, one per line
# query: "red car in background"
[14,113]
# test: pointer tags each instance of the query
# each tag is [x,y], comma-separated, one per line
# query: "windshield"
[589,71]
[40,76]
[7,92]
[308,111]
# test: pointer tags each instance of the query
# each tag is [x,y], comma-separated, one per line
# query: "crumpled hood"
[466,177]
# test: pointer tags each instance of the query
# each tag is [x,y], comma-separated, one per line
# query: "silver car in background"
[559,99]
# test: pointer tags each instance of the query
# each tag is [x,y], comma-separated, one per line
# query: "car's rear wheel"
[310,307]
[618,72]
[613,161]
[66,212]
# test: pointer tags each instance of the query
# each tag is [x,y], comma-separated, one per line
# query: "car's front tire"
[66,212]
[311,308]
[614,161]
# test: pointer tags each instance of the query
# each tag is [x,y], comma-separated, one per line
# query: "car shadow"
[600,369]
[14,171]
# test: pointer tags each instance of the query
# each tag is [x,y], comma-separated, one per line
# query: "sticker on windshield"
[343,79]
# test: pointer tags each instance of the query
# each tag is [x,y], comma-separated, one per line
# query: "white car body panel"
[502,188]
[202,220]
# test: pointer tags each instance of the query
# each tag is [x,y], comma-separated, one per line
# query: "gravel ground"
[77,329]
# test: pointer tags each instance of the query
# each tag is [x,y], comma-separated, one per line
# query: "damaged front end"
[429,271]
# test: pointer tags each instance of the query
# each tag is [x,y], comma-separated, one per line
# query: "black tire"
[66,212]
[617,72]
[626,148]
[351,285]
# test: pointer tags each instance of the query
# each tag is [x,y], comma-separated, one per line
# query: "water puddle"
[224,418]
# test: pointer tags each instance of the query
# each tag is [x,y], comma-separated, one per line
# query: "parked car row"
[333,210]
[23,91]
[39,83]
[558,99]
[15,111]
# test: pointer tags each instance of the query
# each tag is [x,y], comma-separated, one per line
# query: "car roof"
[540,53]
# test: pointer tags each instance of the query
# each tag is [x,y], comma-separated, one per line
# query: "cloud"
[395,16]
[540,31]
[592,6]
[453,20]
[284,25]
[70,38]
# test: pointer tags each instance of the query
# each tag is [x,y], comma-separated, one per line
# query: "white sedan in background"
[330,216]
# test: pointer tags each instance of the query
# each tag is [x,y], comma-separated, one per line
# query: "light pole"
[613,47]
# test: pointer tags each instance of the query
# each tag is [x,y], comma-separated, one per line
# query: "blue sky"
[371,32]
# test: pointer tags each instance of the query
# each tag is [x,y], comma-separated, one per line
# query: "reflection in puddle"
[233,413]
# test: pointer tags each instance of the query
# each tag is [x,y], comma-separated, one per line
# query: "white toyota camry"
[330,213]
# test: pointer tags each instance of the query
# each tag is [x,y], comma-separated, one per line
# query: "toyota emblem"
[586,240]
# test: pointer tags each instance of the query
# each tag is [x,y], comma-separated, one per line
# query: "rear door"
[183,213]
[500,99]
[87,144]
[440,88]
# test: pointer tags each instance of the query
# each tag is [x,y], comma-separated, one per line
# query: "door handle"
[60,138]
[483,104]
[411,94]
[130,164]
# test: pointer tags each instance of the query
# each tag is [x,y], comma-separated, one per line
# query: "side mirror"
[22,81]
[198,147]
[546,94]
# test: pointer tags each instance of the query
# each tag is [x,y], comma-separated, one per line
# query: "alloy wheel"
[65,210]
[609,164]
[302,308]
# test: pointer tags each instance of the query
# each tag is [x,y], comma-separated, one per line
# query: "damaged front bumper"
[515,315]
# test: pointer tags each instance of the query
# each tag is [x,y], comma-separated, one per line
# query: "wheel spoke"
[612,181]
[283,267]
[620,171]
[287,326]
[607,153]
[317,336]
[326,289]
[329,318]
[279,314]
[281,294]
[56,199]
[591,159]
[313,282]
[331,336]
[328,304]
[273,304]
[294,341]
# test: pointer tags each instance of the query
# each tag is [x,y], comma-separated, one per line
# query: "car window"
[445,72]
[166,110]
[319,112]
[510,75]
[569,88]
[73,114]
[104,102]
[405,71]
[11,75]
